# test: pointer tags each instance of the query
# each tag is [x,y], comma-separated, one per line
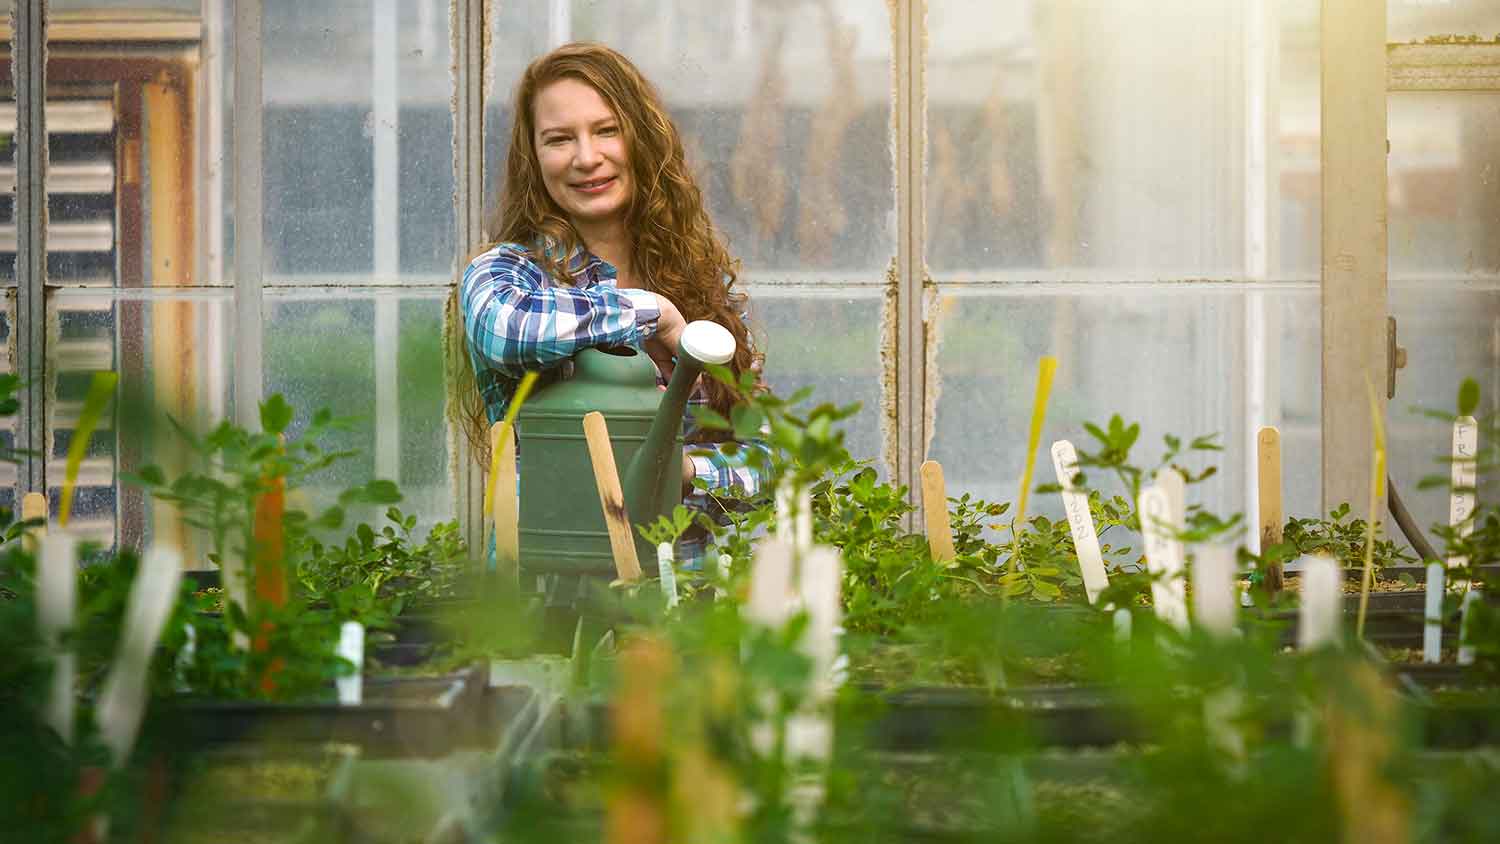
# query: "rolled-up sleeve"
[516,319]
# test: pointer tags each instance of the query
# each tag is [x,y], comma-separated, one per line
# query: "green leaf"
[1468,397]
[275,414]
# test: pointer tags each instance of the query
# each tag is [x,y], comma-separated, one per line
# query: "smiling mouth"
[594,185]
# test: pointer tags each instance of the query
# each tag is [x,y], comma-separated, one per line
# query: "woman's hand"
[689,473]
[663,344]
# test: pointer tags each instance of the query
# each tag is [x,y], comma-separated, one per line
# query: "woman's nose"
[586,154]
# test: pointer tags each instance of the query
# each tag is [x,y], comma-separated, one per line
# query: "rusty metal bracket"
[1395,357]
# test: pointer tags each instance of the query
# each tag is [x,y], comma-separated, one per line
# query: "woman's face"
[582,152]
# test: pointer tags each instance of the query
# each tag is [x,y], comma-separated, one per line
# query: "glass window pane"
[1170,360]
[784,109]
[1063,137]
[1444,171]
[1419,20]
[359,162]
[840,360]
[172,357]
[370,360]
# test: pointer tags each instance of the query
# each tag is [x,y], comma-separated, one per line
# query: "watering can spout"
[656,469]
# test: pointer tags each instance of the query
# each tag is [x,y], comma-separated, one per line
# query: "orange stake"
[270,571]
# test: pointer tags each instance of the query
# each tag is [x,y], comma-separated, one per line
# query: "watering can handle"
[707,342]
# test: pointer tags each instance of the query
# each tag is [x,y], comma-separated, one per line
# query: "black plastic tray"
[399,717]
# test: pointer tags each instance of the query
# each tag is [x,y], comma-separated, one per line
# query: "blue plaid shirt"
[517,318]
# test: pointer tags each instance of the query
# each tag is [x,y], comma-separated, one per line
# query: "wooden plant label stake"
[1466,650]
[1272,516]
[935,512]
[667,574]
[1322,599]
[1163,557]
[505,512]
[1432,627]
[352,648]
[56,608]
[123,700]
[34,506]
[1465,477]
[611,498]
[1213,588]
[1080,521]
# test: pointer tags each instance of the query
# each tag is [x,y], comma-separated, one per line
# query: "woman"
[602,240]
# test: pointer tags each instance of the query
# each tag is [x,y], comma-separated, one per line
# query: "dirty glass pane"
[840,360]
[124,186]
[172,357]
[359,142]
[9,499]
[1444,174]
[1064,138]
[7,176]
[784,110]
[1444,171]
[1171,359]
[181,6]
[370,360]
[1422,20]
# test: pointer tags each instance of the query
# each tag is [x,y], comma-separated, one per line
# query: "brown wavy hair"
[675,249]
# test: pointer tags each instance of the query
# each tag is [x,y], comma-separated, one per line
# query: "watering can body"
[562,526]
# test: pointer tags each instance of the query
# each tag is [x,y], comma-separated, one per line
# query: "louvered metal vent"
[81,252]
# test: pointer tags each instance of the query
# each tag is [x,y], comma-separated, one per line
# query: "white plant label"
[794,517]
[1175,485]
[771,583]
[822,575]
[1122,626]
[123,700]
[1213,588]
[1322,598]
[725,562]
[1080,521]
[667,573]
[1464,478]
[56,608]
[1163,557]
[1466,651]
[1432,621]
[352,647]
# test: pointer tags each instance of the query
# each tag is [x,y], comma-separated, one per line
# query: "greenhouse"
[647,421]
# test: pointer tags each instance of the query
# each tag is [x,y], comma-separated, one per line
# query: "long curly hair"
[675,249]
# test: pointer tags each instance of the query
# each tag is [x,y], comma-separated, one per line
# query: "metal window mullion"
[470,59]
[249,229]
[911,353]
[29,31]
[386,213]
[1354,296]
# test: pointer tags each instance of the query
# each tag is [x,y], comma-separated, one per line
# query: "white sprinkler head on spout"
[708,342]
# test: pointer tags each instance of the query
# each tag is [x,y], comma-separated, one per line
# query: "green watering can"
[562,527]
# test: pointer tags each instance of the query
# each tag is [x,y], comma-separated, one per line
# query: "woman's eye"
[609,130]
[555,140]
